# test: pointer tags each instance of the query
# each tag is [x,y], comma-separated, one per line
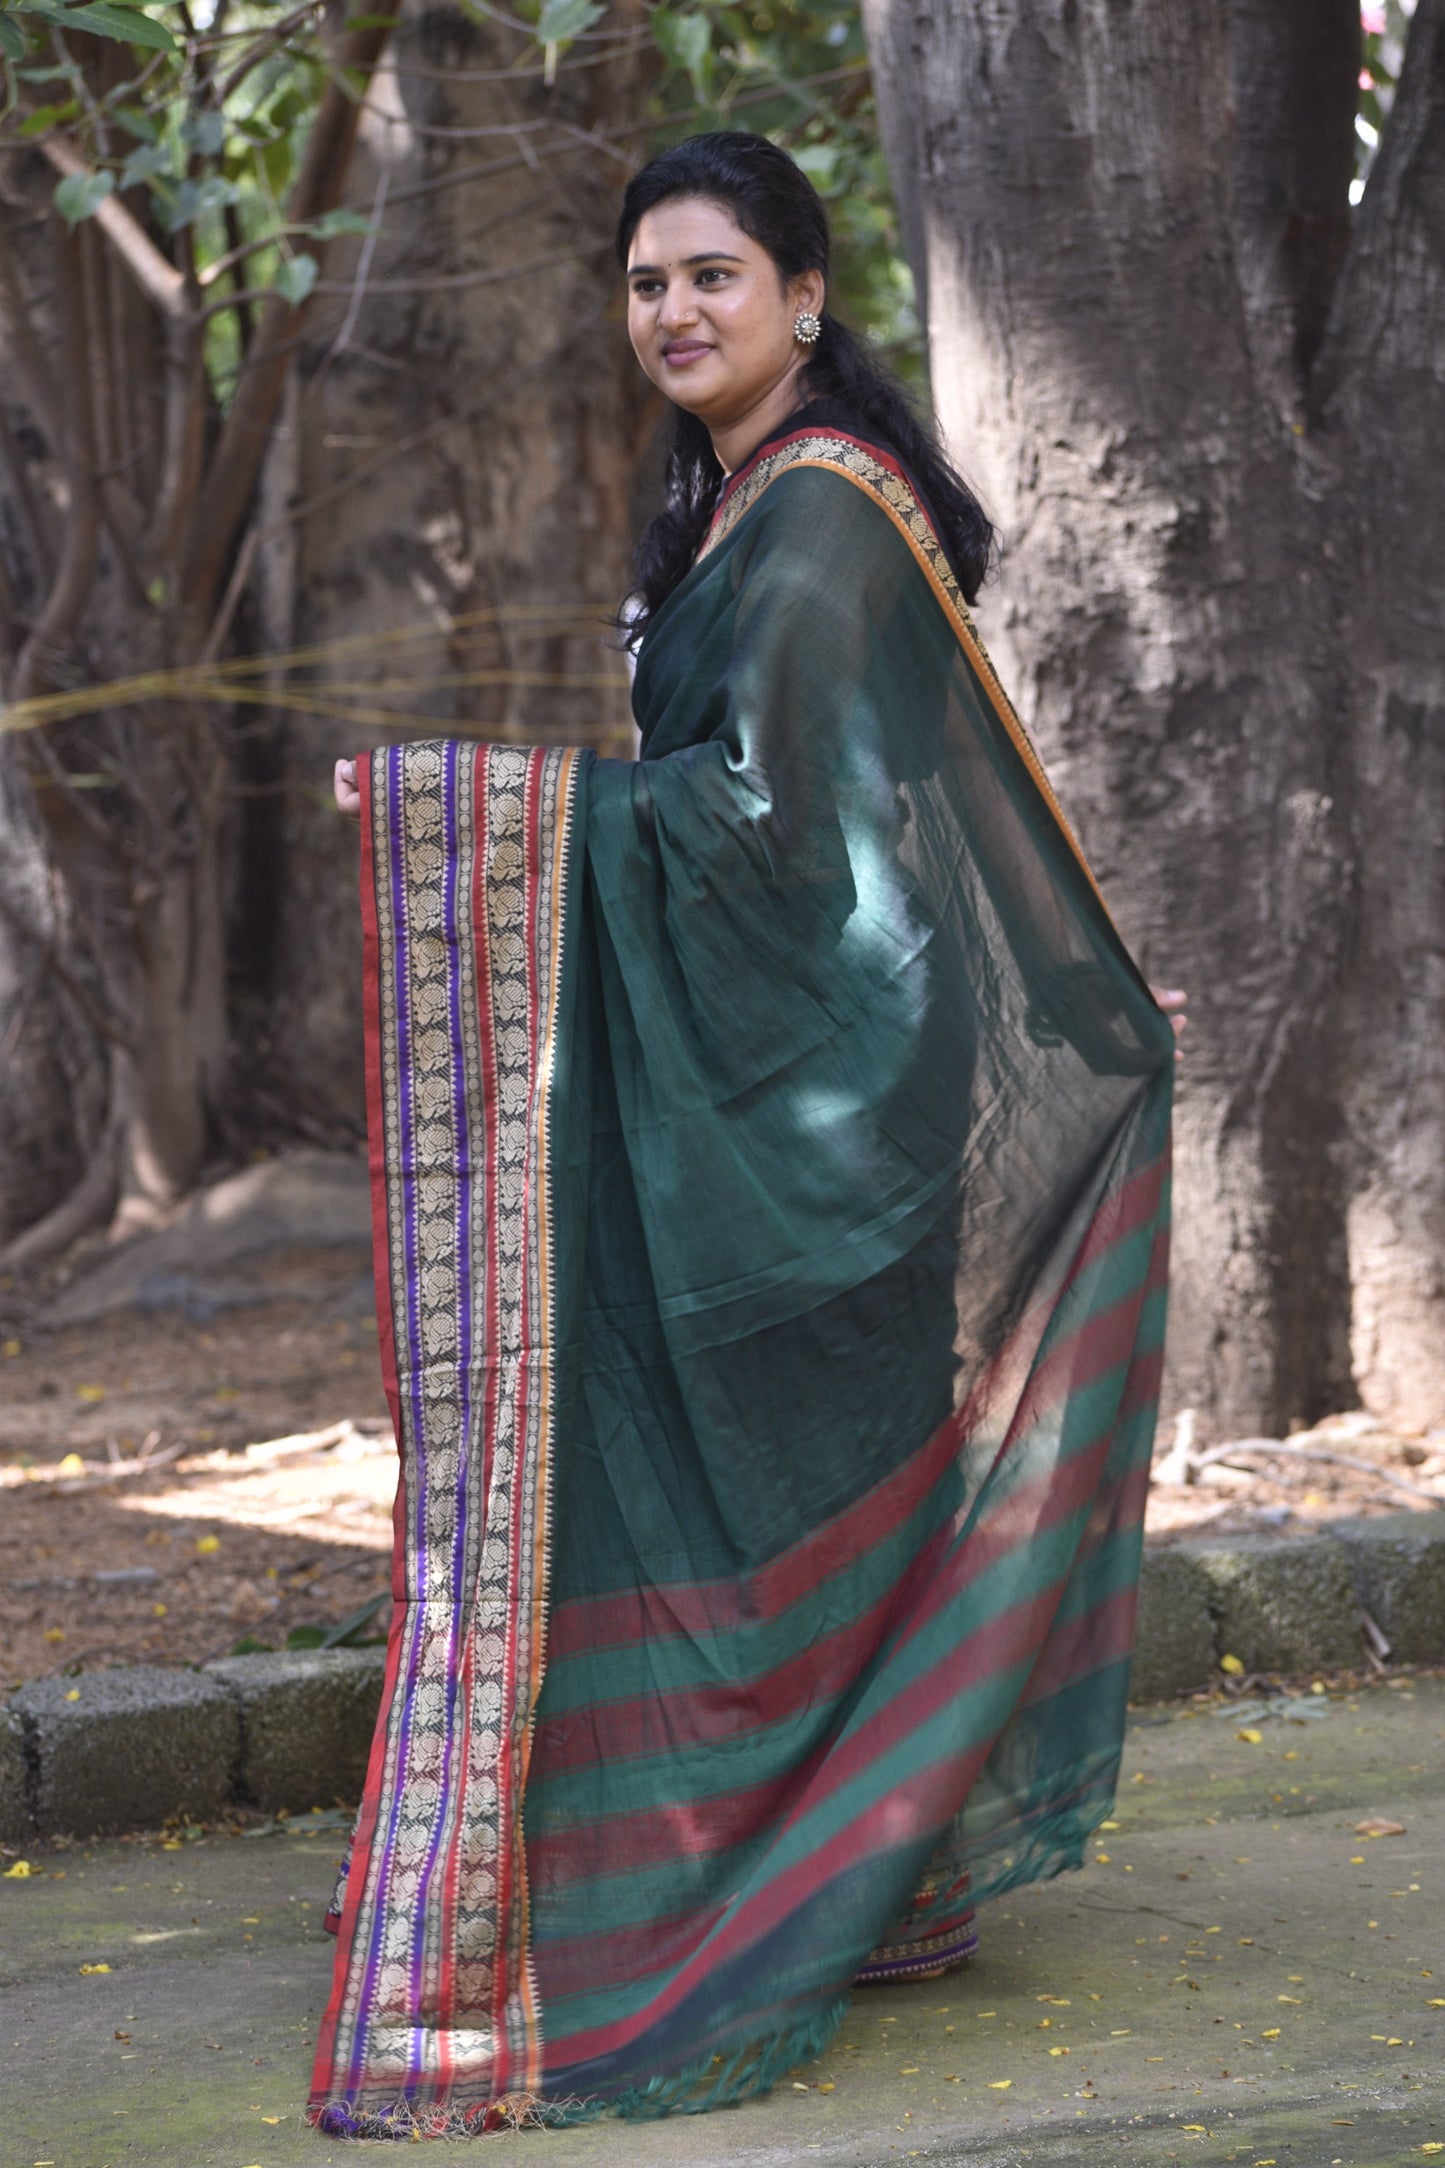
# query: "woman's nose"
[678,309]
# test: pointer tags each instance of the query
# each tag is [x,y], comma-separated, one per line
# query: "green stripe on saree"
[770,1149]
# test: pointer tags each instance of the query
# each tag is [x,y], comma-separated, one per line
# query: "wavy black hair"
[843,383]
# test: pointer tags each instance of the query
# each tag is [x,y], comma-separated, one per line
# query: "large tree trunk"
[447,428]
[465,443]
[1127,222]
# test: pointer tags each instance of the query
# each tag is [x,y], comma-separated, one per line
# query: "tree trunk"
[1125,300]
[461,449]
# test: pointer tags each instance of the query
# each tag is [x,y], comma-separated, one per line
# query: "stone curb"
[135,1747]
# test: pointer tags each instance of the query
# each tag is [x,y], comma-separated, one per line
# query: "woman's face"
[709,318]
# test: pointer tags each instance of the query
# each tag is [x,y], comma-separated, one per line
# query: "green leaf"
[248,1645]
[205,132]
[135,123]
[820,162]
[340,221]
[66,72]
[126,23]
[295,278]
[12,39]
[80,195]
[306,1637]
[48,116]
[348,1633]
[685,40]
[564,19]
[147,162]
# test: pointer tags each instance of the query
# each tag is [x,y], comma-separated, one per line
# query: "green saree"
[770,1148]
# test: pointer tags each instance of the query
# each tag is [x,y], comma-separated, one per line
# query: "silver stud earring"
[807,327]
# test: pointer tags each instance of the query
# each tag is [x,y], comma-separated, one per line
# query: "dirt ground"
[167,1486]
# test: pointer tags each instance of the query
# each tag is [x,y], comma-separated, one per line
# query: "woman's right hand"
[343,782]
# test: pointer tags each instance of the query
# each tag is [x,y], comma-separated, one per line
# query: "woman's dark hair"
[776,205]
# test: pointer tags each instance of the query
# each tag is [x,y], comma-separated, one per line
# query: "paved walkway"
[1239,1977]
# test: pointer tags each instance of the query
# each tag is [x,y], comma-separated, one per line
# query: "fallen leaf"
[999,2085]
[1249,1735]
[1357,1859]
[828,2087]
[1436,2002]
[158,1610]
[22,1870]
[1232,1665]
[10,1350]
[908,2070]
[1289,1998]
[1101,1859]
[1433,2145]
[1271,2032]
[1377,1825]
[799,2088]
[74,1694]
[95,1968]
[92,1393]
[71,1465]
[207,1545]
[54,1634]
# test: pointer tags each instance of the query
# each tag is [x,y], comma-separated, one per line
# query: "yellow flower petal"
[1232,1665]
[95,1968]
[207,1544]
[1249,1735]
[20,1872]
[999,2085]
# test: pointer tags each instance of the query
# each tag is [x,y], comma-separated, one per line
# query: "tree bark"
[462,450]
[1125,339]
[1381,390]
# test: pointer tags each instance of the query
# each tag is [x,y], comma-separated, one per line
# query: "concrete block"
[1174,1640]
[137,1745]
[16,1826]
[1398,1563]
[1281,1603]
[307,1718]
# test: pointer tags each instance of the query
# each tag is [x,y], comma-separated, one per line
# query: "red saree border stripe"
[1038,1506]
[375,1111]
[932,1795]
[596,1622]
[691,1717]
[627,1954]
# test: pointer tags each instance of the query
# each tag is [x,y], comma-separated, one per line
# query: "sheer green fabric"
[802,1204]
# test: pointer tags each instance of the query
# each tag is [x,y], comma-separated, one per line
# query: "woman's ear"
[809,291]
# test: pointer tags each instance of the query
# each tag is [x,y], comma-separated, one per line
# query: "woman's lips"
[684,352]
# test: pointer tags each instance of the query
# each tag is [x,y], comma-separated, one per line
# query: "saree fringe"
[715,2081]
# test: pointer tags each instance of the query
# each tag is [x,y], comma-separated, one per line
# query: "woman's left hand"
[1173,1001]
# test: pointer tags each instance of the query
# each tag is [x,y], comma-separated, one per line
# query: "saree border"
[433,2022]
[883,480]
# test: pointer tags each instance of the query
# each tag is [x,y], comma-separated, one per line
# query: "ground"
[194,1443]
[1240,1975]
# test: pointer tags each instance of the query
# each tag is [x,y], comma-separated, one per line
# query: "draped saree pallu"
[769,1145]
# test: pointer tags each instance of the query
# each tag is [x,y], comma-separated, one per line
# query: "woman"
[770,1149]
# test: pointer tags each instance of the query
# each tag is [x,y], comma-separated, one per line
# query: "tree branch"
[158,280]
[75,573]
[1295,68]
[222,503]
